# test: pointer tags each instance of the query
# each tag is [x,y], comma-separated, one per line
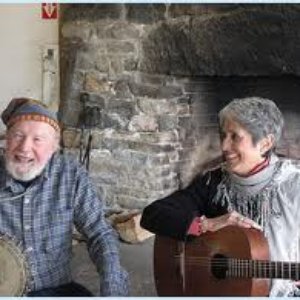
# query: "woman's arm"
[173,215]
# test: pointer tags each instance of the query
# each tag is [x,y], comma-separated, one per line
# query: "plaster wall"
[25,41]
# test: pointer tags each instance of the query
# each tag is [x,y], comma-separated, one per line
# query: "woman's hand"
[232,218]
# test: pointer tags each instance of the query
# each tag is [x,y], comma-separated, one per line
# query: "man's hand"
[232,218]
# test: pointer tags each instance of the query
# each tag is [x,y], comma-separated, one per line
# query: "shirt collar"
[259,167]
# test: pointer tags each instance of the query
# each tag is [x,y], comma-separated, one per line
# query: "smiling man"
[42,195]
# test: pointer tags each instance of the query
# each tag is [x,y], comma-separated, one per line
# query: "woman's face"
[239,152]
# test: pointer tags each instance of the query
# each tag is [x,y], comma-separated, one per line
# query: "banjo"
[14,272]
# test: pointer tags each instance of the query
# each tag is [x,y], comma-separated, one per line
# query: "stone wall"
[148,71]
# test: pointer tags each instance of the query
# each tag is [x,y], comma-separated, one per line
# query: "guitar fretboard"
[261,269]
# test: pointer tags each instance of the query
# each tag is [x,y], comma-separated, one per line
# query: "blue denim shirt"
[41,217]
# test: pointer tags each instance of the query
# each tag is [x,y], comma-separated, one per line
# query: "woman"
[253,188]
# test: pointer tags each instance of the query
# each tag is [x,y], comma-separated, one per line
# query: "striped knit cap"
[26,109]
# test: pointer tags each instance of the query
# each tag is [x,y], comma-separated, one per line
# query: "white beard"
[33,172]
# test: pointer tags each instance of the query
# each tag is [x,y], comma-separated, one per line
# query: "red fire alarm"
[49,10]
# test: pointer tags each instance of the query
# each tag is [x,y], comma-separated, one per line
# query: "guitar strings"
[284,269]
[224,259]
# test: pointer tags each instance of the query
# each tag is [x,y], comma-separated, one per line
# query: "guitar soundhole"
[219,266]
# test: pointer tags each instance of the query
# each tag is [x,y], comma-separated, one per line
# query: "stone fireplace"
[142,85]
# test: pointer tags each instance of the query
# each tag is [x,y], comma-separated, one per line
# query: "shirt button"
[29,249]
[26,200]
[27,227]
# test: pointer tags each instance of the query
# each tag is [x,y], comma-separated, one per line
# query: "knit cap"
[26,109]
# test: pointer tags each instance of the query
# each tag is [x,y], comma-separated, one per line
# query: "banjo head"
[13,269]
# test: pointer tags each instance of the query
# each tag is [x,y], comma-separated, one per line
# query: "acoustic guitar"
[230,262]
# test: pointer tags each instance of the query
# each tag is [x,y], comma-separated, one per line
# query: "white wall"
[26,69]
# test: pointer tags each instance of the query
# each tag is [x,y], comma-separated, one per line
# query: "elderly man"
[42,195]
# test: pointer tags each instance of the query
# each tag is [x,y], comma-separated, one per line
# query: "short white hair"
[259,116]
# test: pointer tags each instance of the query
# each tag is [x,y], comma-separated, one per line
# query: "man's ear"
[57,141]
[266,143]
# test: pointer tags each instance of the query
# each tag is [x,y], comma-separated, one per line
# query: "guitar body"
[185,269]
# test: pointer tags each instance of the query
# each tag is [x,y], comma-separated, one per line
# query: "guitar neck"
[262,269]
